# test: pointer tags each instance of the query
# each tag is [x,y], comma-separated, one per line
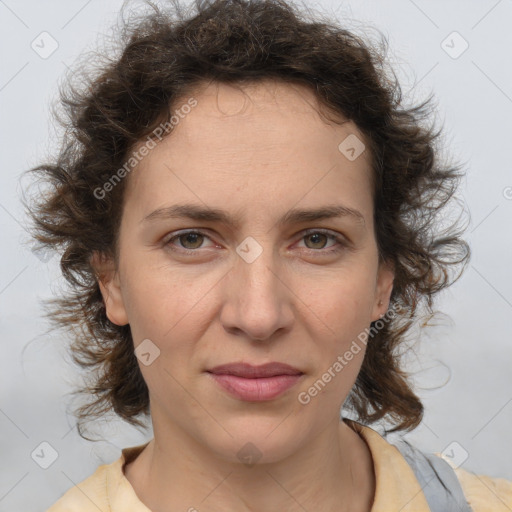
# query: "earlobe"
[110,287]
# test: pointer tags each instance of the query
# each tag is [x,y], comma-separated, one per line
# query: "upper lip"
[249,371]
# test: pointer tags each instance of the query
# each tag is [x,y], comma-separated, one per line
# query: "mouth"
[255,383]
[250,371]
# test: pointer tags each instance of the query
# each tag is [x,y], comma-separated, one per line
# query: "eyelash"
[341,241]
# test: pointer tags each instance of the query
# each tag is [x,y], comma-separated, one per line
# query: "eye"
[318,237]
[189,241]
[192,240]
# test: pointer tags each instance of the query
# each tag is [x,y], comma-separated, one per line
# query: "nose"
[258,302]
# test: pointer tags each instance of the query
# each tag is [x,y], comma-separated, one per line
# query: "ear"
[110,286]
[384,287]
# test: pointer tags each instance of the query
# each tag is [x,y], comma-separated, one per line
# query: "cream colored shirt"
[396,487]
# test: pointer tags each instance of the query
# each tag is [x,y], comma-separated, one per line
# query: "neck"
[333,472]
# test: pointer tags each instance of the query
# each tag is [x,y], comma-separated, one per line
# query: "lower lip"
[256,390]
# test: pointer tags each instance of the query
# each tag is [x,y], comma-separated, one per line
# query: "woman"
[248,216]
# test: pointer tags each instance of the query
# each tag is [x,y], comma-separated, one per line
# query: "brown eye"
[189,241]
[192,240]
[318,240]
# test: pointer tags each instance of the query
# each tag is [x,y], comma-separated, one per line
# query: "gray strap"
[437,478]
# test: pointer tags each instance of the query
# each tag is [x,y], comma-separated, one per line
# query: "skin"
[256,152]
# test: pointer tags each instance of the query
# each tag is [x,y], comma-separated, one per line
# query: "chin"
[253,442]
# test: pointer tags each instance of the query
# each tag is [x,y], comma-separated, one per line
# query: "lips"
[256,383]
[249,371]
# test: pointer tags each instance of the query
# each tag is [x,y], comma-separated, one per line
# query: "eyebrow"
[294,216]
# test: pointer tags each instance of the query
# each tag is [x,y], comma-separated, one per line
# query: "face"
[260,285]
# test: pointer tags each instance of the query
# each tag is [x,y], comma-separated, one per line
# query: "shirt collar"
[396,486]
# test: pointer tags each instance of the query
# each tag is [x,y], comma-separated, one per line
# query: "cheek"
[343,303]
[340,341]
[153,303]
[167,305]
[341,311]
[169,314]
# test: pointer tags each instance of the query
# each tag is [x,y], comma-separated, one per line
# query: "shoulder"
[106,490]
[90,495]
[483,493]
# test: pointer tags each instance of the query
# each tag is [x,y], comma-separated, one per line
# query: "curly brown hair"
[164,55]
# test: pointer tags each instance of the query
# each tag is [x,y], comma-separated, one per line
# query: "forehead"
[262,106]
[266,137]
[246,99]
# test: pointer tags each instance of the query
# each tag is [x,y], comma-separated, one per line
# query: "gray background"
[471,347]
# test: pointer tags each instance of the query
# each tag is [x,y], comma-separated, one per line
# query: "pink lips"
[255,383]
